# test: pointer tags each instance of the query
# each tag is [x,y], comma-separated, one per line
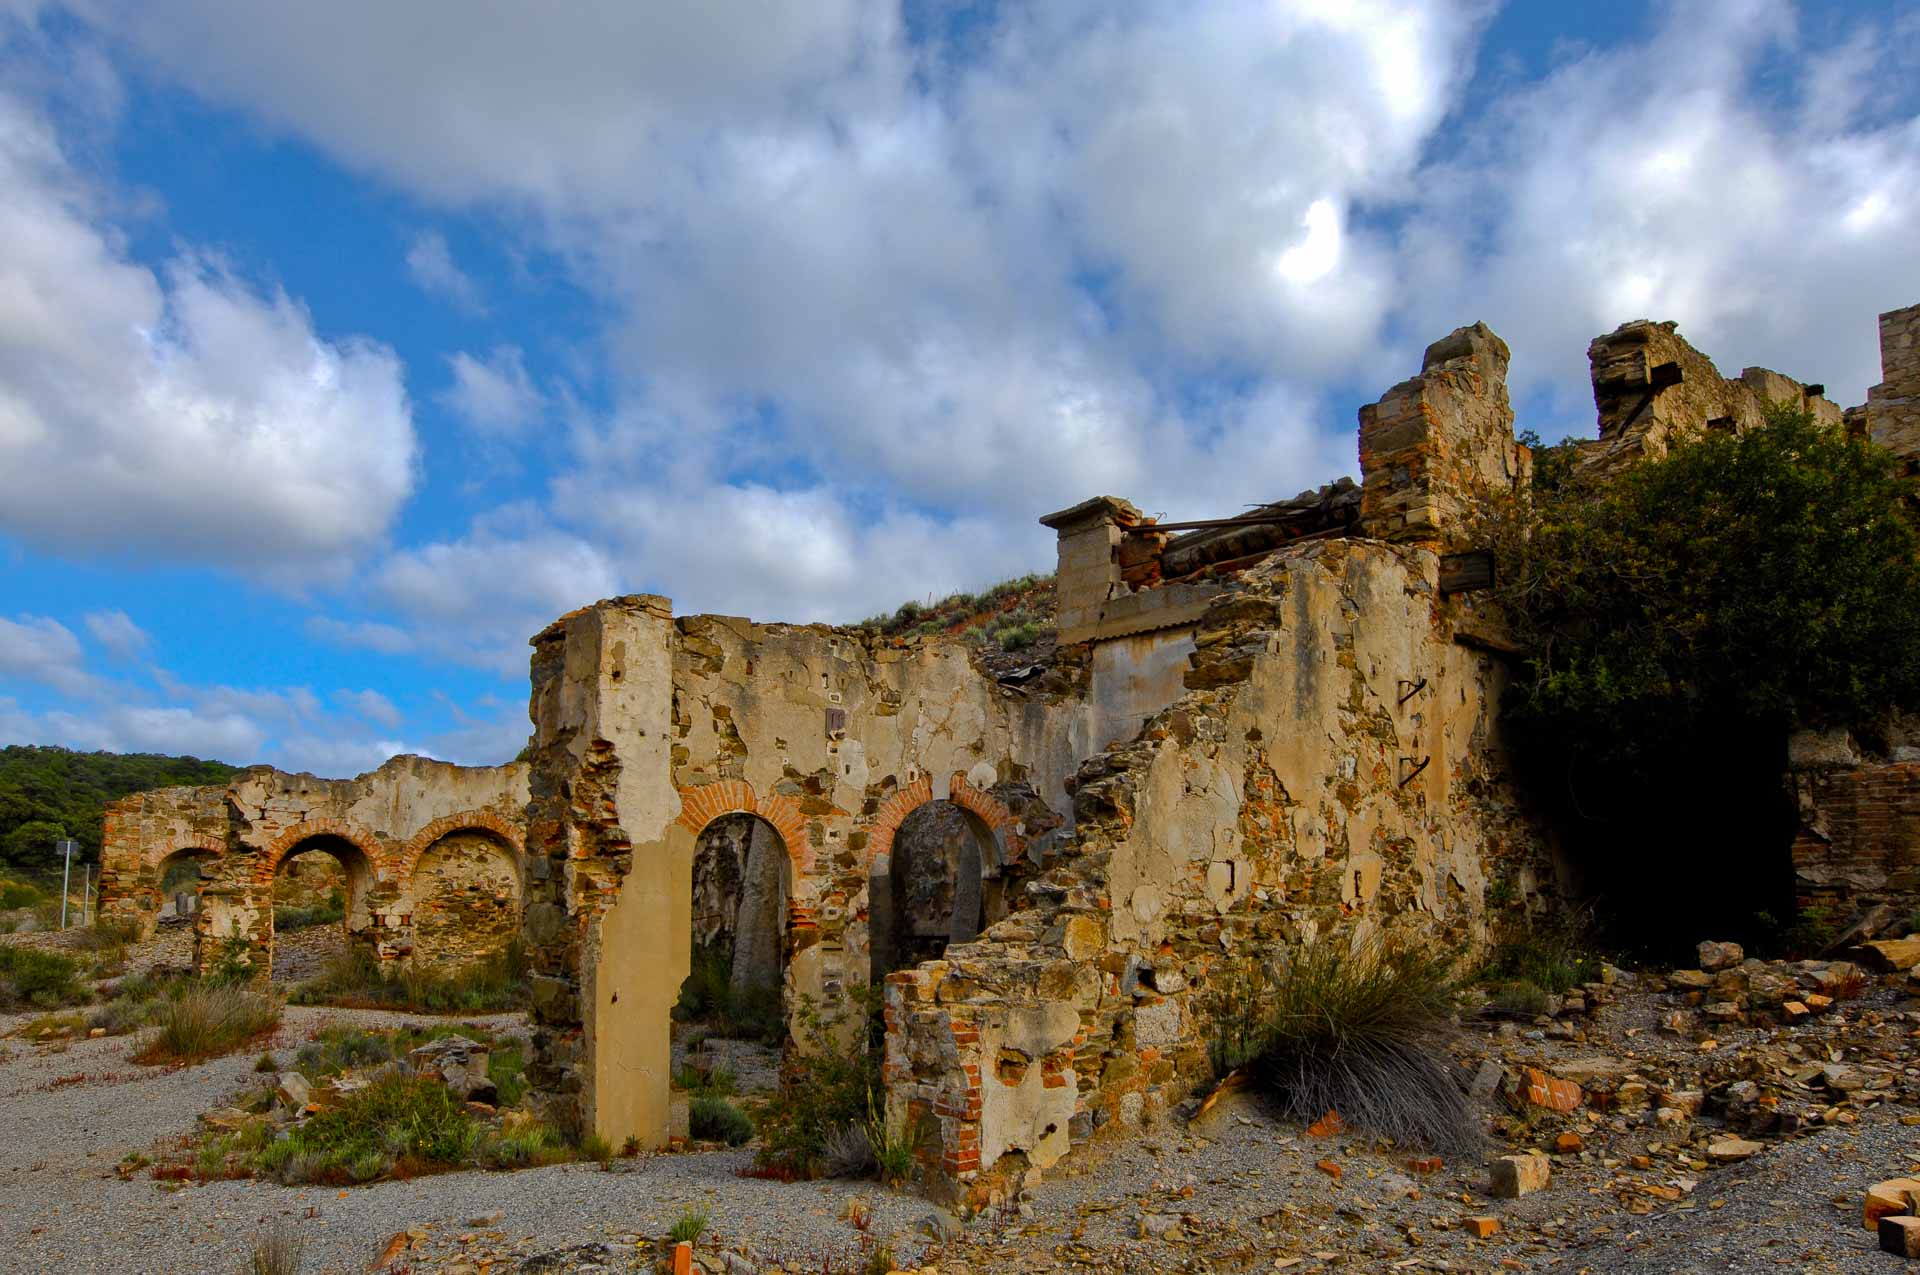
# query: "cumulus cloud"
[41,651]
[116,631]
[178,415]
[493,395]
[1760,205]
[371,705]
[431,265]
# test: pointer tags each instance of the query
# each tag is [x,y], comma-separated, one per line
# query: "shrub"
[18,894]
[714,1119]
[32,978]
[1359,1032]
[689,1226]
[397,1119]
[1553,956]
[717,1081]
[824,1083]
[847,1152]
[207,1020]
[357,979]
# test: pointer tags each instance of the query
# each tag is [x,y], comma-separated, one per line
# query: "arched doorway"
[465,896]
[930,889]
[321,863]
[177,882]
[740,889]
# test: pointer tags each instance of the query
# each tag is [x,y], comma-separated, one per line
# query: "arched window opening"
[933,890]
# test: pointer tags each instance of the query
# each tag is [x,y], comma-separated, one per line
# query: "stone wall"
[1858,841]
[1332,771]
[1893,406]
[1436,447]
[417,839]
[1641,416]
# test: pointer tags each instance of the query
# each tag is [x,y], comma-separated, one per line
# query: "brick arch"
[465,821]
[165,850]
[990,810]
[359,838]
[701,805]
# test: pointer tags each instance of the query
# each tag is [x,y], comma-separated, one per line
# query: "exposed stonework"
[1893,406]
[429,852]
[1858,841]
[1650,387]
[1435,447]
[1295,791]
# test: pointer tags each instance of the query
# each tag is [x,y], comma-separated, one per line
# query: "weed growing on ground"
[824,1085]
[278,1252]
[689,1226]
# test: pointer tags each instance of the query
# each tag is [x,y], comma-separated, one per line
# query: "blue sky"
[343,346]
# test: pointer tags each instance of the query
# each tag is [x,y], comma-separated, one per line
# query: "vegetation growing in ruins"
[33,979]
[711,1118]
[1011,614]
[48,793]
[1361,1032]
[356,979]
[205,1020]
[710,1001]
[824,1087]
[1678,622]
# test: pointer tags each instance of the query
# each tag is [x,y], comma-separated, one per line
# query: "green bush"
[824,1083]
[31,978]
[714,1119]
[331,912]
[356,979]
[1553,956]
[396,1120]
[1520,998]
[1362,1032]
[18,894]
[207,1020]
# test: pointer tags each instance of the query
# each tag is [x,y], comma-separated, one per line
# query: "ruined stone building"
[429,854]
[1265,731]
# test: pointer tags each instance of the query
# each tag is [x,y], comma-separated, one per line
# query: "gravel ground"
[62,1207]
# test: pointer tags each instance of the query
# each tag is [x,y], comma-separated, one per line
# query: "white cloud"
[116,631]
[1660,181]
[371,705]
[41,651]
[493,395]
[338,756]
[182,415]
[369,635]
[430,263]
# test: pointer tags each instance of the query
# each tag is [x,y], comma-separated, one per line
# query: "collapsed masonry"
[429,853]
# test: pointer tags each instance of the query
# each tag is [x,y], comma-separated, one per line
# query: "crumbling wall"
[1651,387]
[1331,771]
[1434,448]
[378,825]
[1858,840]
[1893,406]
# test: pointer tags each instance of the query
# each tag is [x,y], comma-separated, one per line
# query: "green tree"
[49,792]
[1681,620]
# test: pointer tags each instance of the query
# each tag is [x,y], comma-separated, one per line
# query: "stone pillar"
[1893,406]
[1434,446]
[759,942]
[609,874]
[1089,564]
